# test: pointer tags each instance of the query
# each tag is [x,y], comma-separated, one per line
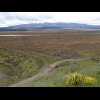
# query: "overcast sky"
[16,18]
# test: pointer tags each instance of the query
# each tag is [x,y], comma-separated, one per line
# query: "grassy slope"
[56,77]
[18,65]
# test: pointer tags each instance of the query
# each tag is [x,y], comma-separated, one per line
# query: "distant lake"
[20,35]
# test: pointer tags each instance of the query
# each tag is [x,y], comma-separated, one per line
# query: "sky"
[17,18]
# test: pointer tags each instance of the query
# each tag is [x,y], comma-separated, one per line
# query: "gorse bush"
[89,80]
[78,79]
[75,79]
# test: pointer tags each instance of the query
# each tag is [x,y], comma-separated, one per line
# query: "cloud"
[16,18]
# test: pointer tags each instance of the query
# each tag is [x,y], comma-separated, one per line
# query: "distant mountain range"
[58,25]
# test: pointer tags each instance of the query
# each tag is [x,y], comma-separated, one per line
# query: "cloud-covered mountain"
[58,25]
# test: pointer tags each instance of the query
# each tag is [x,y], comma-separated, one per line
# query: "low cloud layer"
[16,18]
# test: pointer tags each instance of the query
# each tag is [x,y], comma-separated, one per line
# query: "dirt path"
[45,70]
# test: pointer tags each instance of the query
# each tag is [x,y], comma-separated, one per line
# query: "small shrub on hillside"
[95,59]
[98,73]
[78,79]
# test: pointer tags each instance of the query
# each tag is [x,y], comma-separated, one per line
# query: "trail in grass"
[45,70]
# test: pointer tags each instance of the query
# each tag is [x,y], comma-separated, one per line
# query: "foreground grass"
[55,78]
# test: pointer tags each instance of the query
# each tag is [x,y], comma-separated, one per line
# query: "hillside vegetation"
[15,65]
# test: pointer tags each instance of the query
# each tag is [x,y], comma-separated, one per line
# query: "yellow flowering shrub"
[89,80]
[78,79]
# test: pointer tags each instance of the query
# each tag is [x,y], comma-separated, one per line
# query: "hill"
[58,25]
